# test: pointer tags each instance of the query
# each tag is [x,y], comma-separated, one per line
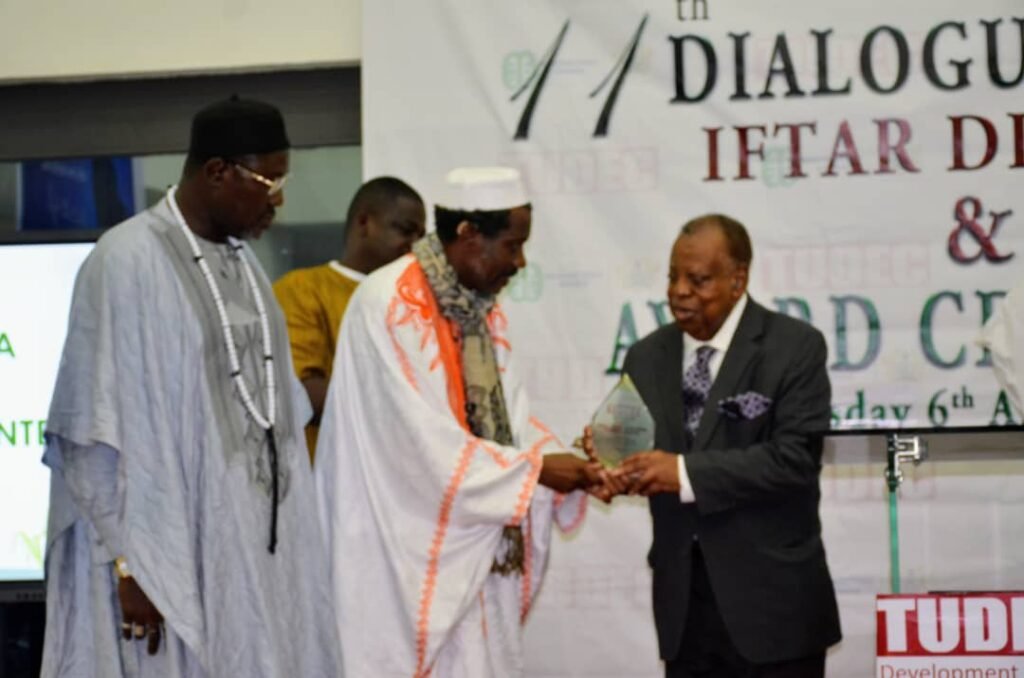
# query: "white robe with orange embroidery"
[414,505]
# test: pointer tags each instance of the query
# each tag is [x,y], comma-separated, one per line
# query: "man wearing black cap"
[179,539]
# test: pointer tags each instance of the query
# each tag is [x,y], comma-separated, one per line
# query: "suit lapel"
[742,350]
[670,384]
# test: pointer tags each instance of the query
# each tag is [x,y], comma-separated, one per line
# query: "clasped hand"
[565,472]
[642,473]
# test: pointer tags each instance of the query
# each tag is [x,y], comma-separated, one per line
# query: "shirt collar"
[347,272]
[723,337]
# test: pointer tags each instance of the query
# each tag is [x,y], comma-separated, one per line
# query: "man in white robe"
[437,494]
[180,538]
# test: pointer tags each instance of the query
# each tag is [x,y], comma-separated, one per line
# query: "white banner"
[870,150]
[35,294]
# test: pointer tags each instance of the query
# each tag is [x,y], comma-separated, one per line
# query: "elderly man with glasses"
[180,542]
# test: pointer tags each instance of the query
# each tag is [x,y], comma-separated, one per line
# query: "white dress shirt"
[720,342]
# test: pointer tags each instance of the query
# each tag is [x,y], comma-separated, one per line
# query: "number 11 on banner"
[540,75]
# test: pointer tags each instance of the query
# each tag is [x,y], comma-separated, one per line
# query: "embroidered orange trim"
[423,314]
[430,582]
[536,461]
[526,493]
[444,516]
[451,358]
[497,325]
[560,499]
[403,358]
[526,600]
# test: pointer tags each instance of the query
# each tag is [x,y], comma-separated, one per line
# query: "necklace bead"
[266,422]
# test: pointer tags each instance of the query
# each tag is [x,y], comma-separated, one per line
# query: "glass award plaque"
[622,424]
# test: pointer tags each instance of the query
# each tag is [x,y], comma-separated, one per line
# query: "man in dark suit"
[741,586]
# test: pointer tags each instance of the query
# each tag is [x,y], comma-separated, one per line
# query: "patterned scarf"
[486,413]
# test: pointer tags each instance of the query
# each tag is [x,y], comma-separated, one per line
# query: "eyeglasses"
[274,186]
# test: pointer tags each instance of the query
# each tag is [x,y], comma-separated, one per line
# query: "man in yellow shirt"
[385,218]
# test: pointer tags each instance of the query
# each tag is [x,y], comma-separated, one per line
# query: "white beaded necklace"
[264,422]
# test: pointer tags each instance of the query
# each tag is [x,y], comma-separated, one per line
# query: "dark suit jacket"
[756,484]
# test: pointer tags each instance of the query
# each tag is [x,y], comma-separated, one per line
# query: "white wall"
[72,39]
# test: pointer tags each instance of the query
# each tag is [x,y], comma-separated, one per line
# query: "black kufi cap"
[235,127]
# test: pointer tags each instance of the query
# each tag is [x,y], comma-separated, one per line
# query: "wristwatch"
[121,568]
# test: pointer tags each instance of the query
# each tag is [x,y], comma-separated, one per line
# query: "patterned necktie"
[696,384]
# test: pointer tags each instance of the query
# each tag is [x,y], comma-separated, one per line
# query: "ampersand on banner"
[969,225]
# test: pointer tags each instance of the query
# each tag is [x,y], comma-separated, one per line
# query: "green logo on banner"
[25,432]
[517,67]
[5,345]
[527,285]
[34,544]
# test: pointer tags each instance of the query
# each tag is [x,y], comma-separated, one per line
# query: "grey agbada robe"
[154,457]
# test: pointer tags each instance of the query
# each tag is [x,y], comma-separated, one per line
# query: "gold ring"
[139,630]
[125,626]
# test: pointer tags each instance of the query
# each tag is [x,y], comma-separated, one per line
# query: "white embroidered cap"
[484,188]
